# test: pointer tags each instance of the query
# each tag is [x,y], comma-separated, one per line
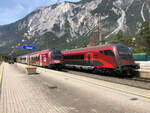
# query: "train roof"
[40,51]
[93,47]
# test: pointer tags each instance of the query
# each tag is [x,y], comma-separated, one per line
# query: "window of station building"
[109,53]
[74,57]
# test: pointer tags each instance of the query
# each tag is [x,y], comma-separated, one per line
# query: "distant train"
[115,58]
[51,58]
[9,59]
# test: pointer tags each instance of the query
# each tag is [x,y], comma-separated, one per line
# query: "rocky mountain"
[69,25]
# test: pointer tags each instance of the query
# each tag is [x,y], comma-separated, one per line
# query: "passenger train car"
[51,58]
[107,58]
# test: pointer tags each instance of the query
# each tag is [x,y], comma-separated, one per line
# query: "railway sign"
[28,47]
[130,48]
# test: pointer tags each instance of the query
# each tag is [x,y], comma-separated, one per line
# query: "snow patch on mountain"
[131,1]
[142,14]
[116,11]
[120,22]
[3,44]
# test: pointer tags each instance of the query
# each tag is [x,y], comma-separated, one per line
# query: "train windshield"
[123,50]
[55,54]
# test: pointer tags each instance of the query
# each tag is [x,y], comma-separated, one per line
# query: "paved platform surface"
[51,91]
[143,63]
[144,68]
[144,71]
[21,94]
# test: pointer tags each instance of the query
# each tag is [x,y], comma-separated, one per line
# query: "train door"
[40,60]
[90,58]
[45,59]
[109,57]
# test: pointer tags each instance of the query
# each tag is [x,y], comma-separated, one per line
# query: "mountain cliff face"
[69,24]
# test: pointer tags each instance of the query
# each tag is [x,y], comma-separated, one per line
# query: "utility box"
[31,70]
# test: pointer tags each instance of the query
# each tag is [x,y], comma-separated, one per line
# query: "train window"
[46,55]
[74,57]
[95,56]
[82,56]
[101,52]
[108,52]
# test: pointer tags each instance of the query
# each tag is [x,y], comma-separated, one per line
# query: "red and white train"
[107,58]
[51,58]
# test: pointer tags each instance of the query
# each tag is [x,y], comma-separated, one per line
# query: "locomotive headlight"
[56,61]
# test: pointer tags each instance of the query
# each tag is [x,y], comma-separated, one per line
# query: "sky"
[13,10]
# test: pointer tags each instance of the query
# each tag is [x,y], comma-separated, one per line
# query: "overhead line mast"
[100,30]
[57,2]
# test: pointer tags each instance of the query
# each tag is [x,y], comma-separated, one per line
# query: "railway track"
[143,83]
[141,79]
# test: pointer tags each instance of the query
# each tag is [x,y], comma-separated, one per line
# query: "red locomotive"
[107,58]
[51,58]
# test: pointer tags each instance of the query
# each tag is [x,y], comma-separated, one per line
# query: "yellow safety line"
[117,89]
[102,85]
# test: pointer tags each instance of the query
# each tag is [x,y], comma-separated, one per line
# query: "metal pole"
[99,28]
[47,42]
[57,1]
[28,60]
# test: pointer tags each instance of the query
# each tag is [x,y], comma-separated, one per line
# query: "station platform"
[144,68]
[21,94]
[50,91]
